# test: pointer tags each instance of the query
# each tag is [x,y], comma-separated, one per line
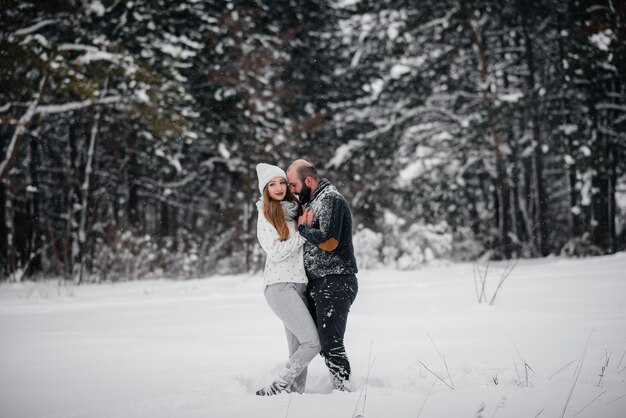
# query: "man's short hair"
[306,171]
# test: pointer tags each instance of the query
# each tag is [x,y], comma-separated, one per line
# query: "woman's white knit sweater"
[285,261]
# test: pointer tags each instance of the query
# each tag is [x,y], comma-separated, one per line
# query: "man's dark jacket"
[328,250]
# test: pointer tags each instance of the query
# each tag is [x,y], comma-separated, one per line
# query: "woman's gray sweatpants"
[289,303]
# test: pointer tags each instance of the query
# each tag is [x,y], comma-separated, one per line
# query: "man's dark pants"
[329,300]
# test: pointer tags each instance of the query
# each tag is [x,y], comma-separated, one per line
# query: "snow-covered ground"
[200,348]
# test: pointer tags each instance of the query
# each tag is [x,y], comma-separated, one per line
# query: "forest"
[457,129]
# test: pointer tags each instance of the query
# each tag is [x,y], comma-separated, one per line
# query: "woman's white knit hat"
[266,172]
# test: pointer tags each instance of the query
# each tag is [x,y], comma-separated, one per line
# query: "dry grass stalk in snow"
[370,364]
[607,355]
[576,375]
[445,363]
[480,279]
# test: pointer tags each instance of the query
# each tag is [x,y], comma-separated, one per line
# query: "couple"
[310,280]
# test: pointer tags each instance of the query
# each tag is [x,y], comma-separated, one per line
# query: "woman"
[284,276]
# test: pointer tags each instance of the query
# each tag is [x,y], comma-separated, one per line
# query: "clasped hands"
[306,218]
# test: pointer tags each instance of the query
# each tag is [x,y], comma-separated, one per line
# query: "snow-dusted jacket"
[284,262]
[328,250]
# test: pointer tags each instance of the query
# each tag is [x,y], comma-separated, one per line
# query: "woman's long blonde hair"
[274,213]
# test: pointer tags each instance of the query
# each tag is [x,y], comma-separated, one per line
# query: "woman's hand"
[309,217]
[306,218]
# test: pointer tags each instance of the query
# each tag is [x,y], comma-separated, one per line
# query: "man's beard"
[305,194]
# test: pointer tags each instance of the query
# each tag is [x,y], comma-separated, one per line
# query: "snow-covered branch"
[65,107]
[171,185]
[35,109]
[12,149]
[188,179]
[445,20]
[69,107]
[611,106]
[411,114]
[77,47]
[97,56]
[30,29]
[610,132]
[344,153]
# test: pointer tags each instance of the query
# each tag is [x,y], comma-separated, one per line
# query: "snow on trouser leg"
[337,362]
[300,383]
[330,299]
[292,370]
[287,300]
[275,388]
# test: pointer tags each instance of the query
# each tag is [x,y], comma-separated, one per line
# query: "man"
[329,263]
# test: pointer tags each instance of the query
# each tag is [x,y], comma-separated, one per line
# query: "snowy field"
[552,345]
